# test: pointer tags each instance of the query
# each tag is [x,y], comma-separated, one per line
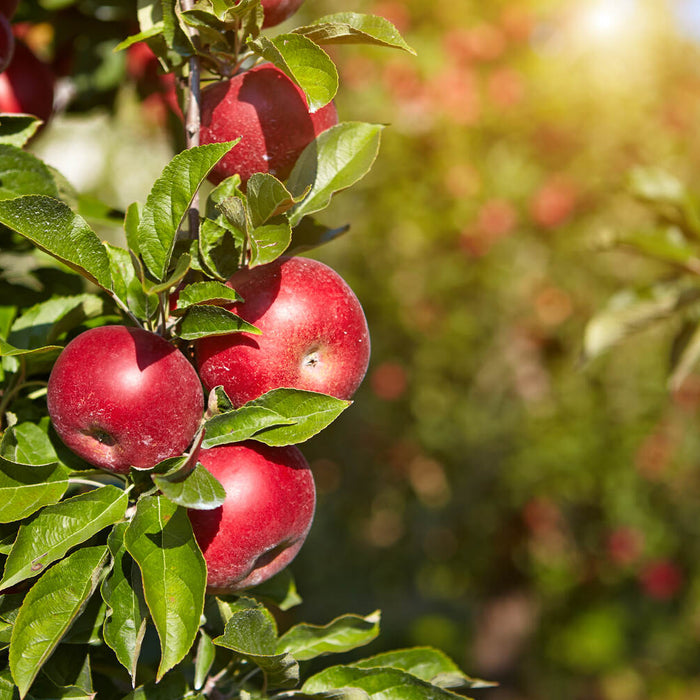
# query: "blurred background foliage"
[531,511]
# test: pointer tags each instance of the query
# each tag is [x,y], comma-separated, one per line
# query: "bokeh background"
[531,511]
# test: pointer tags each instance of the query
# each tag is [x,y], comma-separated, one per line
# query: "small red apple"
[277,11]
[122,397]
[314,334]
[7,43]
[270,114]
[27,85]
[269,507]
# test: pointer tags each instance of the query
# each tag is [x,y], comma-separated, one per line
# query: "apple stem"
[193,117]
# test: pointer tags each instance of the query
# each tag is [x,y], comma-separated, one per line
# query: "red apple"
[26,86]
[269,507]
[122,397]
[7,43]
[277,11]
[314,334]
[270,114]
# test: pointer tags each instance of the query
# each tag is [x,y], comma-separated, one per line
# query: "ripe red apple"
[314,334]
[7,43]
[269,507]
[26,86]
[277,11]
[121,397]
[270,114]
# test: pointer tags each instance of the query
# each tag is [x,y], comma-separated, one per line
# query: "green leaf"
[310,411]
[170,199]
[631,311]
[345,633]
[27,443]
[53,227]
[173,573]
[203,660]
[202,321]
[252,633]
[335,160]
[197,489]
[21,173]
[132,221]
[49,609]
[205,292]
[657,186]
[241,424]
[182,267]
[309,234]
[56,529]
[426,663]
[17,129]
[172,687]
[154,30]
[127,286]
[42,324]
[266,197]
[24,489]
[355,28]
[269,241]
[280,590]
[219,248]
[379,683]
[305,62]
[125,624]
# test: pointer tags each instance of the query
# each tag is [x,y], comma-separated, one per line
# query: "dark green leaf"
[378,683]
[53,227]
[337,159]
[310,411]
[219,248]
[305,62]
[172,687]
[252,634]
[428,664]
[49,609]
[21,173]
[201,321]
[17,129]
[280,590]
[266,197]
[206,292]
[27,443]
[173,573]
[127,285]
[355,28]
[170,199]
[125,624]
[348,632]
[49,535]
[309,234]
[241,424]
[197,489]
[24,489]
[203,660]
[42,324]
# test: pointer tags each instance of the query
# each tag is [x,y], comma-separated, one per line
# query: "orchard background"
[508,486]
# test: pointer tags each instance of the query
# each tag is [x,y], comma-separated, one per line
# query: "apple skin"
[268,511]
[314,334]
[276,11]
[121,397]
[27,85]
[270,114]
[7,43]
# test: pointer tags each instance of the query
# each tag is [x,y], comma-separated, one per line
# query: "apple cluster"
[126,398]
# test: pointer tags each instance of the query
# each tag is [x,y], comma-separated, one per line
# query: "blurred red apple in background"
[27,85]
[277,11]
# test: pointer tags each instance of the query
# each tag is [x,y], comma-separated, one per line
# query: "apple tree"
[147,526]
